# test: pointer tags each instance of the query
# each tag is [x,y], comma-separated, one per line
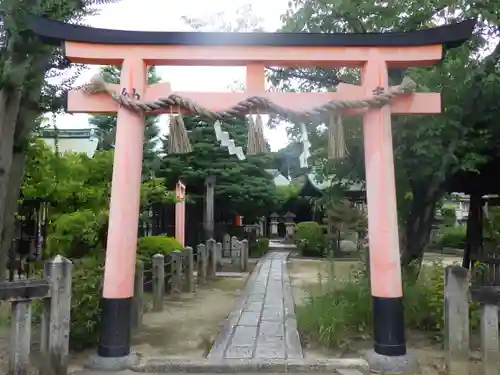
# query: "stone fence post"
[218,254]
[158,282]
[202,264]
[55,317]
[138,300]
[456,320]
[489,298]
[244,255]
[189,270]
[176,271]
[212,259]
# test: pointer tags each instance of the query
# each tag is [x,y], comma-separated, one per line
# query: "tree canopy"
[25,92]
[428,150]
[77,188]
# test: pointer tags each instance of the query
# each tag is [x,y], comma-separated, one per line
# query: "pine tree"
[242,186]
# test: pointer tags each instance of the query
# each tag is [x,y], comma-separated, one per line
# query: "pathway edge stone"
[252,366]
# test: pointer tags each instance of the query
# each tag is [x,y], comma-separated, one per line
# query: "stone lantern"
[273,222]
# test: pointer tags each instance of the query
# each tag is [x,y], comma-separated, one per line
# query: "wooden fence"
[54,292]
[180,272]
[458,295]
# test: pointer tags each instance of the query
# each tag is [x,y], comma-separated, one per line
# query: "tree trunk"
[19,113]
[474,236]
[10,208]
[9,110]
[418,228]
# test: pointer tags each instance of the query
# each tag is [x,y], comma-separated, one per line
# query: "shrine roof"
[278,178]
[55,32]
[311,181]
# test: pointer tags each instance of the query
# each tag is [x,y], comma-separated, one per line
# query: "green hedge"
[259,247]
[86,292]
[310,239]
[453,237]
[152,245]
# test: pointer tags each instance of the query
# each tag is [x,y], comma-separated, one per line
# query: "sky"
[164,15]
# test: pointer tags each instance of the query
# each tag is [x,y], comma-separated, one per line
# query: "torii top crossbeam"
[256,51]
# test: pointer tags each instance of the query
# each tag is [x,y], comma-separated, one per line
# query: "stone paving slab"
[263,325]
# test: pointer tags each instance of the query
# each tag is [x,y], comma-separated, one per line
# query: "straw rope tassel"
[259,131]
[337,148]
[178,140]
[256,142]
[252,137]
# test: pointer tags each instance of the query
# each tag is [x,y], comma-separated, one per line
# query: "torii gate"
[375,53]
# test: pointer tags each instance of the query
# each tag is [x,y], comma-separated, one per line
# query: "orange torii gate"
[374,53]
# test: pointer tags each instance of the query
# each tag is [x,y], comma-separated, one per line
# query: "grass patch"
[338,309]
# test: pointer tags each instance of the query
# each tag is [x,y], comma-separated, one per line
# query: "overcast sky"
[164,15]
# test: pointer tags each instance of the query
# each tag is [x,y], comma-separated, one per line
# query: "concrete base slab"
[332,366]
[232,274]
[381,364]
[98,363]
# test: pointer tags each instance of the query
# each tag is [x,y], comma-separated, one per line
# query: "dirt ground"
[189,323]
[186,328]
[305,275]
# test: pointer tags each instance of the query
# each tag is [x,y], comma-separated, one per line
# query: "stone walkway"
[263,324]
[280,245]
[260,335]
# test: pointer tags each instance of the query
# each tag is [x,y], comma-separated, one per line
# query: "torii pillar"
[374,52]
[118,287]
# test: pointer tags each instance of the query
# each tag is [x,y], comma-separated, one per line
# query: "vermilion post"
[385,268]
[118,288]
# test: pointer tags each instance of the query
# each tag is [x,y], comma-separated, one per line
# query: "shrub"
[76,234]
[310,239]
[343,312]
[449,216]
[147,247]
[151,245]
[259,247]
[88,273]
[453,237]
[492,226]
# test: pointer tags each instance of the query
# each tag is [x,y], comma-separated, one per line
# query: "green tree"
[428,150]
[243,186]
[105,125]
[25,62]
[78,189]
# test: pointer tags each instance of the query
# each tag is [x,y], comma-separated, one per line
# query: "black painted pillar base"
[389,355]
[388,326]
[115,336]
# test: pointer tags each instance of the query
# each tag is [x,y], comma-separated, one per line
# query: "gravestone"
[235,247]
[347,246]
[226,243]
